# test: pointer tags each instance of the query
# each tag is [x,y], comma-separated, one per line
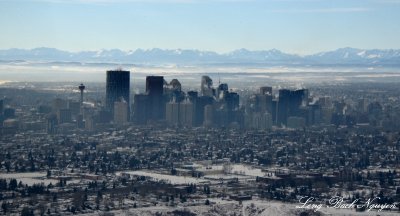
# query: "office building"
[172,113]
[186,114]
[261,121]
[289,104]
[117,86]
[120,112]
[231,100]
[264,103]
[200,103]
[156,101]
[140,108]
[221,91]
[207,86]
[179,114]
[154,85]
[209,115]
[1,107]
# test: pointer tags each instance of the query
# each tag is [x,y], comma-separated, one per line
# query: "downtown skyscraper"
[117,87]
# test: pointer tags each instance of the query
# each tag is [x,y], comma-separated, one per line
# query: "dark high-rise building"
[1,107]
[193,95]
[315,114]
[154,85]
[274,111]
[140,108]
[156,101]
[117,86]
[264,103]
[283,106]
[231,100]
[289,104]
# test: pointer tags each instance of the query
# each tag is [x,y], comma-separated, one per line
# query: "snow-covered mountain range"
[342,56]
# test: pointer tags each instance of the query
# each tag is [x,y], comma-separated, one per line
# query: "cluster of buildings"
[166,103]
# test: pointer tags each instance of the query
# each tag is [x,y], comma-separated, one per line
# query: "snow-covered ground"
[29,178]
[238,169]
[246,170]
[219,177]
[168,178]
[235,171]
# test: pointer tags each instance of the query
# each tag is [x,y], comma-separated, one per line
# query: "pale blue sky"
[294,26]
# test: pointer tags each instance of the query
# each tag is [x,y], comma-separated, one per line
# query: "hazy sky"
[295,26]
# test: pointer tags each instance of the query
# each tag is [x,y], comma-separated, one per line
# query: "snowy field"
[246,170]
[176,180]
[29,178]
[235,171]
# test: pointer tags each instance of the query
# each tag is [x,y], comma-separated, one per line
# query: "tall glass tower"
[155,91]
[117,86]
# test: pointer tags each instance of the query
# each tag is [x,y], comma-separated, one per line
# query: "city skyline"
[200,107]
[300,27]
